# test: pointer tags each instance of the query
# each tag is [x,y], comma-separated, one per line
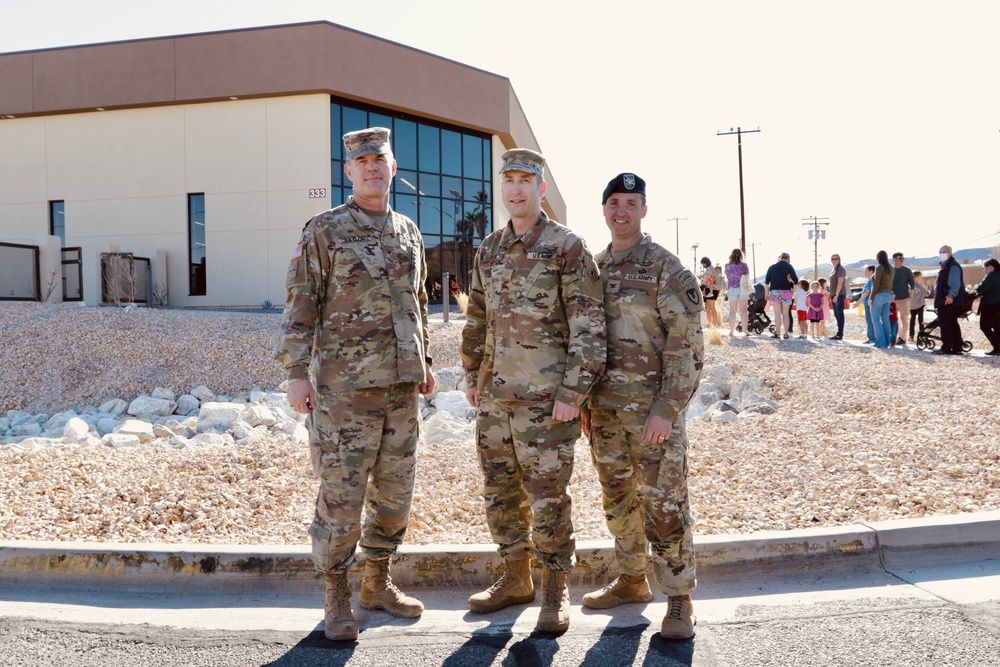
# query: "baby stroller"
[926,340]
[755,311]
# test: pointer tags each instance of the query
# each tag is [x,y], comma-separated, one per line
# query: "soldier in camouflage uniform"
[532,347]
[636,421]
[355,324]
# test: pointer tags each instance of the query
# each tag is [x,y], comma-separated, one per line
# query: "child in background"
[799,304]
[814,302]
[917,302]
[827,306]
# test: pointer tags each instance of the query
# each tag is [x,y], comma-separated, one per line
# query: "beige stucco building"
[207,153]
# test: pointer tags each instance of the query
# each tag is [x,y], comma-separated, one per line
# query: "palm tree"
[472,225]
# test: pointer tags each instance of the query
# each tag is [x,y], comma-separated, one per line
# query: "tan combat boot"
[622,590]
[679,621]
[338,621]
[514,587]
[378,592]
[554,616]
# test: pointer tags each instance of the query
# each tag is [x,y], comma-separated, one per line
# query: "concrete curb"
[143,566]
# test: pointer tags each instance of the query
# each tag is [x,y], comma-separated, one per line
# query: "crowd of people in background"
[893,300]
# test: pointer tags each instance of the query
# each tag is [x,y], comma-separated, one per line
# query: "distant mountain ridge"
[968,254]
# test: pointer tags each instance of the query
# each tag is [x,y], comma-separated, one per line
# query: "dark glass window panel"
[380,120]
[472,152]
[57,220]
[339,195]
[488,228]
[197,250]
[354,119]
[409,187]
[451,188]
[407,205]
[448,226]
[487,159]
[337,176]
[451,152]
[430,215]
[336,142]
[430,148]
[429,184]
[404,144]
[472,190]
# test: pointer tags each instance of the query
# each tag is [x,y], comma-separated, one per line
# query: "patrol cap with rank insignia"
[627,183]
[523,159]
[372,140]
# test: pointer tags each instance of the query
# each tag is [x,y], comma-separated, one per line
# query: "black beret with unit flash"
[628,183]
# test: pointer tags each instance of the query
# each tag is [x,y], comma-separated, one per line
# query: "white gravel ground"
[860,434]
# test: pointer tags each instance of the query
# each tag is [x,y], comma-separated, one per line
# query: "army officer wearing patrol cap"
[532,347]
[353,343]
[636,419]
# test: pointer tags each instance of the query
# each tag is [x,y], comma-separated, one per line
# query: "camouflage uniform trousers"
[527,461]
[363,450]
[646,497]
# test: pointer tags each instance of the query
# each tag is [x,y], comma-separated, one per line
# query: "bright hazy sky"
[881,115]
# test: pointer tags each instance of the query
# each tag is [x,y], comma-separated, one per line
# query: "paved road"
[922,615]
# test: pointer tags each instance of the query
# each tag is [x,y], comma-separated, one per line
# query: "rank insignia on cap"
[371,140]
[523,159]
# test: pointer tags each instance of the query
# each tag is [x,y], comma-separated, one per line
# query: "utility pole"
[695,249]
[677,223]
[739,149]
[814,234]
[753,249]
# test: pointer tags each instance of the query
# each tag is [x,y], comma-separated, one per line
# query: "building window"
[443,183]
[196,243]
[57,220]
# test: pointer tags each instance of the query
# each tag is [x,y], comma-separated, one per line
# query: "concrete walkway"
[920,592]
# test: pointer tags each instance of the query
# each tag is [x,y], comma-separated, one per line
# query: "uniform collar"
[529,238]
[636,254]
[365,220]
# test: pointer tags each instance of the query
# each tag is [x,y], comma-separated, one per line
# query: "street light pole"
[695,249]
[739,149]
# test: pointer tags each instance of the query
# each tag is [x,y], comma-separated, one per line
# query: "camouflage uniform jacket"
[356,305]
[535,328]
[656,349]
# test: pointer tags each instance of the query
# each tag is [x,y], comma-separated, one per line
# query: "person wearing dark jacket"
[947,293]
[989,305]
[779,283]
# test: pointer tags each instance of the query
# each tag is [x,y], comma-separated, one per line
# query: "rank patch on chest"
[640,278]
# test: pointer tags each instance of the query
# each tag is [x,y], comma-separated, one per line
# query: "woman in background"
[735,269]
